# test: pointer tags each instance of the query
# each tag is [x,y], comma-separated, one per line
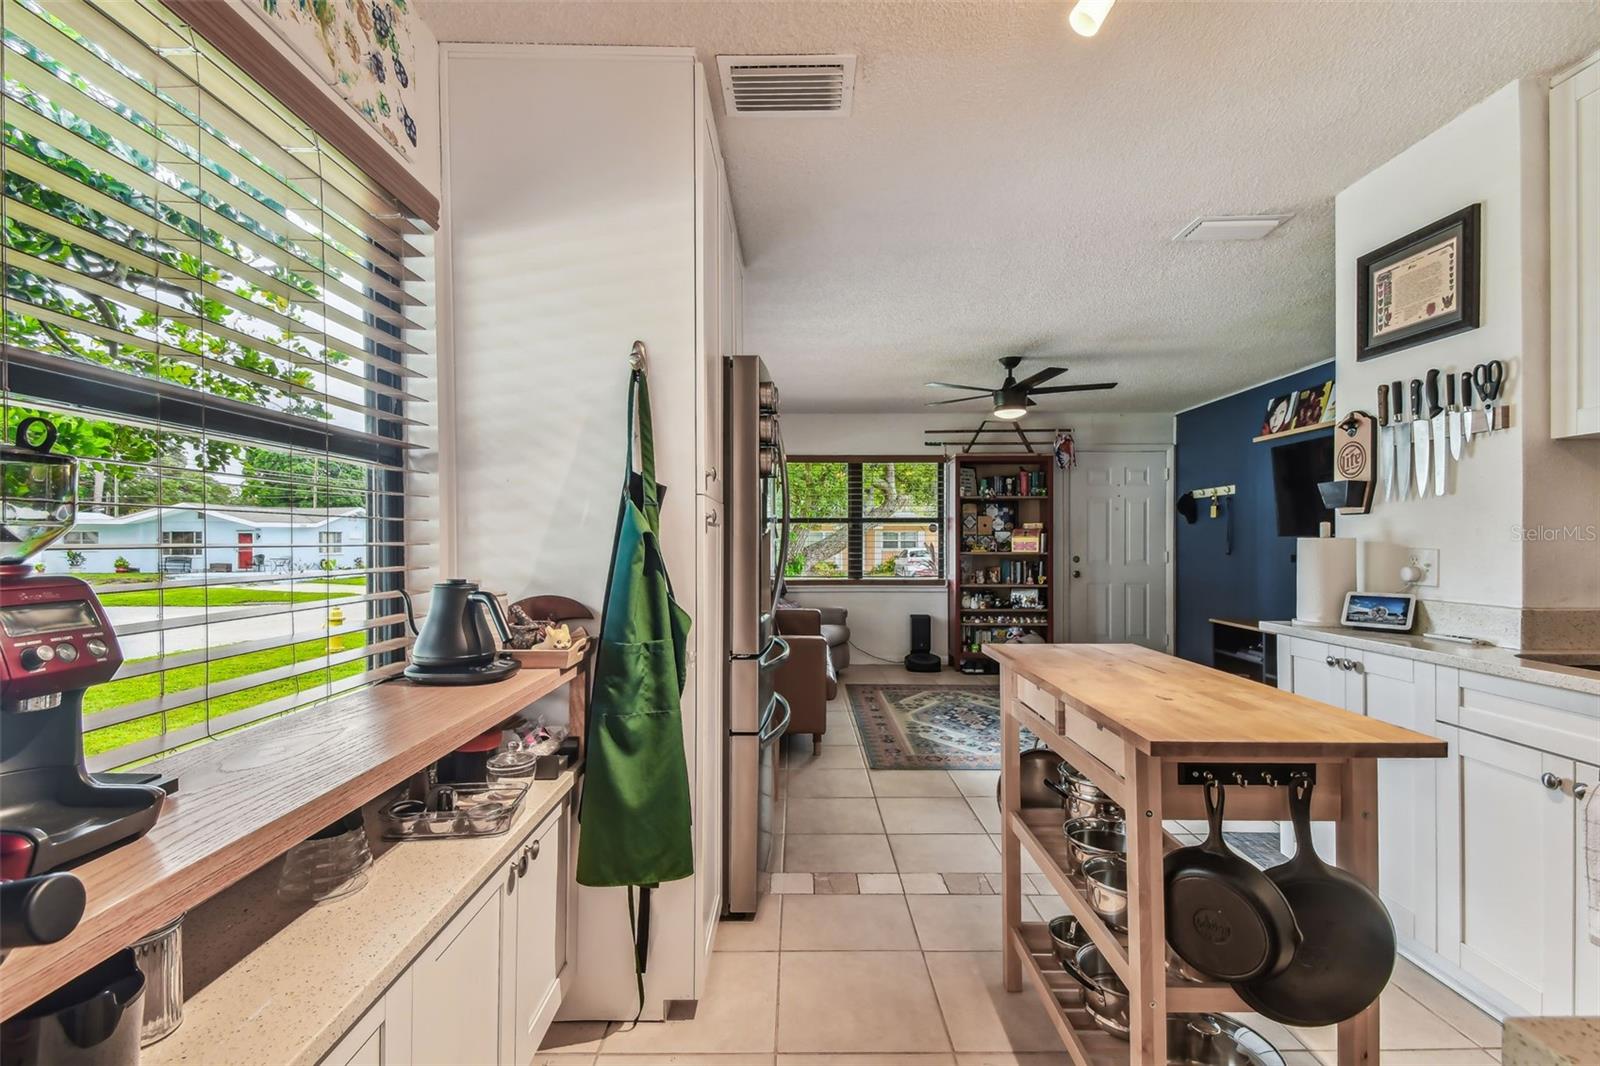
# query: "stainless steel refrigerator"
[757,550]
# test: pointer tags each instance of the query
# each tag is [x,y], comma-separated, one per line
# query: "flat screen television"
[1297,467]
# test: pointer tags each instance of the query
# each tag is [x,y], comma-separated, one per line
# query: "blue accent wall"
[1257,579]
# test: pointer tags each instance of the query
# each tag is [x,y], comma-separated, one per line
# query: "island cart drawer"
[1094,738]
[1102,743]
[1040,702]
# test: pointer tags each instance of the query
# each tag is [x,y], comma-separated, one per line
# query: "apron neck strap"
[639,406]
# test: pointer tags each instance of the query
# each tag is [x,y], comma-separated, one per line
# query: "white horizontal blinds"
[232,328]
[865,518]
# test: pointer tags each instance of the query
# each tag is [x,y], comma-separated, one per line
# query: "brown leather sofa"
[807,678]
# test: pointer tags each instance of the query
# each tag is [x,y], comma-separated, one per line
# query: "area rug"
[929,727]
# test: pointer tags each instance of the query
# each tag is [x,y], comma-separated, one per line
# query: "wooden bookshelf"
[1021,488]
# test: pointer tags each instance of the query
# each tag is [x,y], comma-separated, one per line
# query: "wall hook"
[636,357]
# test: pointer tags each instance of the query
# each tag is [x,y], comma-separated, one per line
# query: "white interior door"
[1117,548]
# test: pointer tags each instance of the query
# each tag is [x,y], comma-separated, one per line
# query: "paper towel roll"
[1325,570]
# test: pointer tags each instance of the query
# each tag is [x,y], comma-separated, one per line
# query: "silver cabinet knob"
[711,474]
[1551,781]
[533,850]
[522,863]
[1579,790]
[1331,661]
[713,520]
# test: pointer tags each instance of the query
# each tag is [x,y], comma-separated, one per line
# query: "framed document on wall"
[1419,288]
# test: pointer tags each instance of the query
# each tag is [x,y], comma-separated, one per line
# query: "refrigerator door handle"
[771,732]
[779,579]
[762,662]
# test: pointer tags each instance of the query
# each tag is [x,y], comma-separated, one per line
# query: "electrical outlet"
[1426,560]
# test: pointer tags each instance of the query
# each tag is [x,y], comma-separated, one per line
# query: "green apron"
[634,817]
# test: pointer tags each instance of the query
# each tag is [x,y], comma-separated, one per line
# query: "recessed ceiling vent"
[805,86]
[1230,227]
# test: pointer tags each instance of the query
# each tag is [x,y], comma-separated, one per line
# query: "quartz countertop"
[1497,662]
[321,967]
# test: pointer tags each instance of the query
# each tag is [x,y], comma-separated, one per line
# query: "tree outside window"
[865,520]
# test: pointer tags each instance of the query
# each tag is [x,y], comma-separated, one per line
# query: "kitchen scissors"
[1488,377]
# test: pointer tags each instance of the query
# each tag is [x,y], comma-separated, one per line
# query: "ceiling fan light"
[1010,411]
[1087,15]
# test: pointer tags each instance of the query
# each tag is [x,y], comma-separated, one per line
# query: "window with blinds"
[232,328]
[865,519]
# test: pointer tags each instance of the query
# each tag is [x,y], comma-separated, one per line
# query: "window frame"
[855,552]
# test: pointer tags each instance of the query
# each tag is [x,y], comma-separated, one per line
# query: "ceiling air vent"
[811,86]
[1231,227]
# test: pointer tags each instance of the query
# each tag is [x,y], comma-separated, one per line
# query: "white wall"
[879,623]
[1496,154]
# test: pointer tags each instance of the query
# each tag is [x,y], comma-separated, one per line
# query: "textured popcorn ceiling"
[1005,186]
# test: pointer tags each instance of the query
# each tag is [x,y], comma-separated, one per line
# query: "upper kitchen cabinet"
[1575,252]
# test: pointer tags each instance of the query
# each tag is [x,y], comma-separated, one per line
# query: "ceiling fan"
[1013,398]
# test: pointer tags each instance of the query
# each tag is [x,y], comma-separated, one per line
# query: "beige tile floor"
[878,943]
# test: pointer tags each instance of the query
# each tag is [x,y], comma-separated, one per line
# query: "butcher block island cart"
[1149,730]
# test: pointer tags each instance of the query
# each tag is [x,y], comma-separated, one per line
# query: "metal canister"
[160,959]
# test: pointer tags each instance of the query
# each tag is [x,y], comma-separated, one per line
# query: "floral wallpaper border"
[364,50]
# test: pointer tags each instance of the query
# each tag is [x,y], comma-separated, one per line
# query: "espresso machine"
[55,642]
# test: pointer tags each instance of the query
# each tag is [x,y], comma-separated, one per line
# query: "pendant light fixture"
[1087,15]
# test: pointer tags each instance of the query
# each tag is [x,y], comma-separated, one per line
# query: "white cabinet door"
[1507,875]
[383,1035]
[1575,254]
[1308,668]
[534,936]
[712,737]
[455,985]
[1586,973]
[1400,691]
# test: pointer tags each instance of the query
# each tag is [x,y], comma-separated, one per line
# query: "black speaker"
[921,633]
[920,660]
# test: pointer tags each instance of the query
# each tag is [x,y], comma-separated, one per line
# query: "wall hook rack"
[1243,775]
[1215,492]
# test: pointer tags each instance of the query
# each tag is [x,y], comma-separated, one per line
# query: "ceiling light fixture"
[1011,407]
[1087,15]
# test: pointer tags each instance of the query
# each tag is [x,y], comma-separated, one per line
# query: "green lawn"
[134,689]
[211,596]
[146,577]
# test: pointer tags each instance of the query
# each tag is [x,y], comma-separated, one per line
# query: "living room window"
[865,519]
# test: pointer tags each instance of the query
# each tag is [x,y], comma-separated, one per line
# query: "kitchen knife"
[1466,406]
[1441,453]
[1402,442]
[1419,437]
[1385,444]
[1453,415]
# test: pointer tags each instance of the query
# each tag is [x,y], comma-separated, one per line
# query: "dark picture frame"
[1459,312]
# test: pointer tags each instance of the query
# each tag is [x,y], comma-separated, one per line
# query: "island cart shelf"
[1127,718]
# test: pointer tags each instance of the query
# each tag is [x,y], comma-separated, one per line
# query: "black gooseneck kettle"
[455,636]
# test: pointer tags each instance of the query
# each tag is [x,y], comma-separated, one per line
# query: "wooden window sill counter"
[283,982]
[244,800]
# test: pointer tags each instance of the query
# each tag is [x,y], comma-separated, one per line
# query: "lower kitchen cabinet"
[455,1010]
[1512,897]
[1398,691]
[485,989]
[534,941]
[1509,845]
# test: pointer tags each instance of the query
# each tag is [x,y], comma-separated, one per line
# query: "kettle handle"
[411,618]
[495,615]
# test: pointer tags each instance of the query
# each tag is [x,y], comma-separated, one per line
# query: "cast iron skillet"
[1348,946]
[1225,917]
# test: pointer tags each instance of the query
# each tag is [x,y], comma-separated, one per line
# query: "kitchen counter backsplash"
[1523,628]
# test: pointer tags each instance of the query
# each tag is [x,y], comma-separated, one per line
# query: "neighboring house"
[884,542]
[270,539]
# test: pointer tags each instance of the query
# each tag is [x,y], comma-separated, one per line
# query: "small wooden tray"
[544,657]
